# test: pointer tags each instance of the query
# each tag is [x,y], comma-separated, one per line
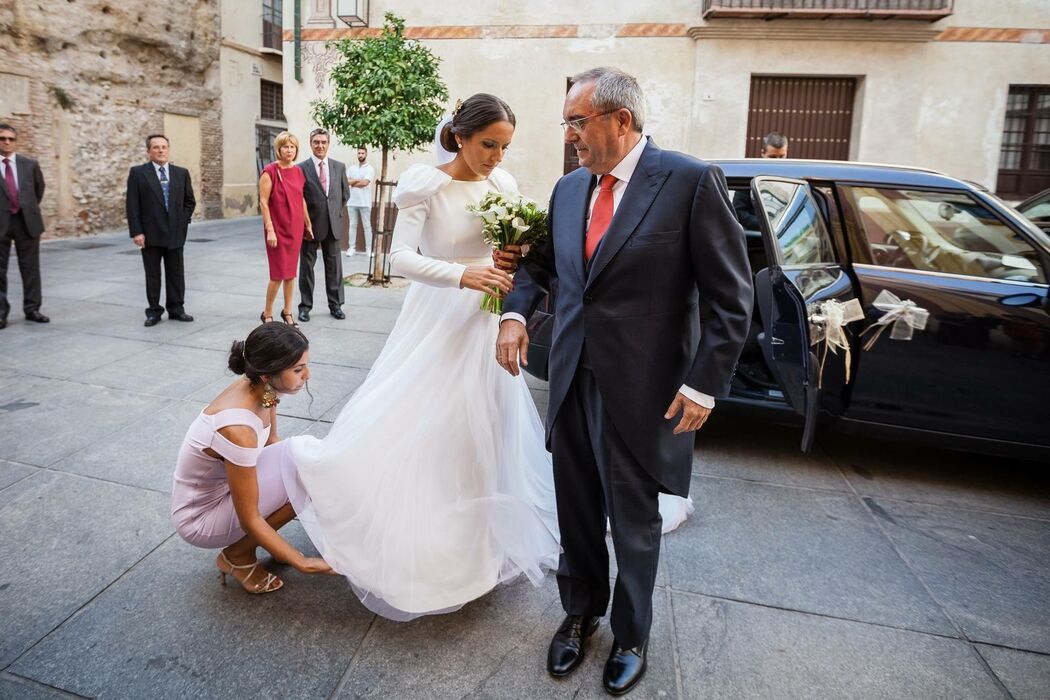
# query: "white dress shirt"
[14,170]
[623,172]
[327,172]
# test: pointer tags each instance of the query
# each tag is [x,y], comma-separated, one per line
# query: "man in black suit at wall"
[159,206]
[325,192]
[21,189]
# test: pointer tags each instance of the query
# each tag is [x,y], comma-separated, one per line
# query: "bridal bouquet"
[508,219]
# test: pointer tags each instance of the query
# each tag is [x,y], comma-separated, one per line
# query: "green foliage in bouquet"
[508,219]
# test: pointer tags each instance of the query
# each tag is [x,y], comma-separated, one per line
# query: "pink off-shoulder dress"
[201,504]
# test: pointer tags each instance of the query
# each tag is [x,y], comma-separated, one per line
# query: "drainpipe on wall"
[297,38]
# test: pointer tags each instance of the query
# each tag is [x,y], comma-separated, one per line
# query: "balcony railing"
[922,10]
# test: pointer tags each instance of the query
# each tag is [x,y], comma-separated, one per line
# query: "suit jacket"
[30,193]
[145,205]
[673,241]
[326,212]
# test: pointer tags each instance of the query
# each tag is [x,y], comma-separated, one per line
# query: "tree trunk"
[379,241]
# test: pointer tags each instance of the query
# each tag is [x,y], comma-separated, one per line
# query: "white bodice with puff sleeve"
[435,237]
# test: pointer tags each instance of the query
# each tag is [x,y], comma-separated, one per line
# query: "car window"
[943,232]
[796,222]
[1039,212]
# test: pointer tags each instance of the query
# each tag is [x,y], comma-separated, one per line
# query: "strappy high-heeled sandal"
[287,317]
[268,585]
[264,318]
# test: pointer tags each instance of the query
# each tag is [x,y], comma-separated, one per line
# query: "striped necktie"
[164,185]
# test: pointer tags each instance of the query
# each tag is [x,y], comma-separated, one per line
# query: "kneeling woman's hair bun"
[270,349]
[236,362]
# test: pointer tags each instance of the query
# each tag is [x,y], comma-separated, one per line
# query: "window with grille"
[272,95]
[272,24]
[1024,156]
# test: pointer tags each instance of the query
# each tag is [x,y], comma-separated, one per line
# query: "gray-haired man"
[638,236]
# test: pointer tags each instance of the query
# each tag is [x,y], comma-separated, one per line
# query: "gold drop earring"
[269,397]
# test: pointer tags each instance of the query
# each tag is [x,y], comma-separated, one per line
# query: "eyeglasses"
[578,125]
[7,138]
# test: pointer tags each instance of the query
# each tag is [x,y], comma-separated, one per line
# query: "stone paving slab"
[79,535]
[59,418]
[14,688]
[807,550]
[164,370]
[991,572]
[11,473]
[169,626]
[773,455]
[1025,675]
[49,355]
[954,479]
[733,650]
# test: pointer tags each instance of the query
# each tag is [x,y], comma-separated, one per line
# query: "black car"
[1037,209]
[889,300]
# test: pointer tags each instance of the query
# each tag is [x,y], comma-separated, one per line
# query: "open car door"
[803,272]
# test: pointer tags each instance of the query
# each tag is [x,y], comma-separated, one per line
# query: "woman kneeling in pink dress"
[228,490]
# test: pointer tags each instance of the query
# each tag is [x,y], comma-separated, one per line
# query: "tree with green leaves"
[388,93]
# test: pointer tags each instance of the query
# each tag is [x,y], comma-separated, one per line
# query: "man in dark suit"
[639,236]
[326,192]
[160,204]
[21,189]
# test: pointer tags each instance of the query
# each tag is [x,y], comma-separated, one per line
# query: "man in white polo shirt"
[360,178]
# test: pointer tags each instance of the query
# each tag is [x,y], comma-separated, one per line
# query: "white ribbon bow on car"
[905,315]
[828,321]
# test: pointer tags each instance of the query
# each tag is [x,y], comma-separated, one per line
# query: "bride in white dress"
[434,485]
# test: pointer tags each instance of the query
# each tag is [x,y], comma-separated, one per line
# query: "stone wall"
[100,76]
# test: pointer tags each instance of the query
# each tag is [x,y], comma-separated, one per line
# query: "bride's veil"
[440,154]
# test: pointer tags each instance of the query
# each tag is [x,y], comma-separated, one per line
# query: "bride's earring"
[269,397]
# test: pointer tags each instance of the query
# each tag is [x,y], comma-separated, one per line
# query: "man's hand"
[139,240]
[693,414]
[507,258]
[512,343]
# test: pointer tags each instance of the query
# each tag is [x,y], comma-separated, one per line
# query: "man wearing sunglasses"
[639,236]
[21,189]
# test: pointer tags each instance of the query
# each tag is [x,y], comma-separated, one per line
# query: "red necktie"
[600,216]
[12,189]
[323,177]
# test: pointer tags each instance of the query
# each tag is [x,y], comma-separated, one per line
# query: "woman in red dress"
[285,221]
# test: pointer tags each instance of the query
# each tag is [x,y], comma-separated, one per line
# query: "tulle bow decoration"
[905,315]
[827,324]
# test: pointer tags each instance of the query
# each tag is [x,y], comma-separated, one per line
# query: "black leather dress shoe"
[625,667]
[569,644]
[304,315]
[37,317]
[151,321]
[184,317]
[3,323]
[338,313]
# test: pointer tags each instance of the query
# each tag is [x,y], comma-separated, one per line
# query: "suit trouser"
[174,279]
[596,476]
[28,250]
[333,272]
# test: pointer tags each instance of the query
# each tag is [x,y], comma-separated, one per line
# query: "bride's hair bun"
[236,362]
[476,113]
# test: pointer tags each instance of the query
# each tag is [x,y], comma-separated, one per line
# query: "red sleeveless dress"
[286,213]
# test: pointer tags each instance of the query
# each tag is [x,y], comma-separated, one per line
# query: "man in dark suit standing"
[639,236]
[159,205]
[21,189]
[326,192]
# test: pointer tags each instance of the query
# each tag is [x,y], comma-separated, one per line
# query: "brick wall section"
[124,65]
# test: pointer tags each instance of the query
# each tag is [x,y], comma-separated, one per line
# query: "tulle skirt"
[433,485]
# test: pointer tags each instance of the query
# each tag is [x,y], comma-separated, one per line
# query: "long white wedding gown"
[433,484]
